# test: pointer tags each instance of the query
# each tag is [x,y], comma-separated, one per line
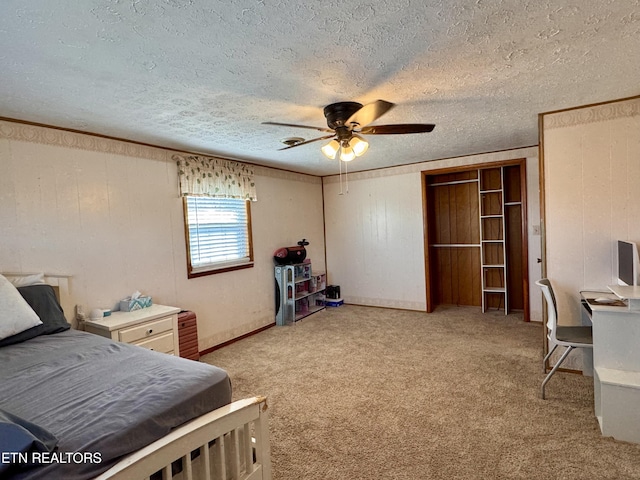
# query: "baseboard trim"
[233,340]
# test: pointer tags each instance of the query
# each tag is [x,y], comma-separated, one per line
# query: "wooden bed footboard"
[230,443]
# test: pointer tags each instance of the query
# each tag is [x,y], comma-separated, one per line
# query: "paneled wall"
[453,213]
[592,196]
[108,214]
[374,233]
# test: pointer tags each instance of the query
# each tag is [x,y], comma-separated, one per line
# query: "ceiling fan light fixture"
[330,150]
[347,154]
[345,121]
[359,145]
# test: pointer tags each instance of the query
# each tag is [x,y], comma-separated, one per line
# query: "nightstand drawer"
[161,343]
[148,329]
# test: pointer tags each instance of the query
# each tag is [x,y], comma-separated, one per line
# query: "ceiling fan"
[347,121]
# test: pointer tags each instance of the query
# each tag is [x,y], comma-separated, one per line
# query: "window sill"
[204,271]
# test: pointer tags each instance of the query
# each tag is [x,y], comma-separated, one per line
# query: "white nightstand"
[154,327]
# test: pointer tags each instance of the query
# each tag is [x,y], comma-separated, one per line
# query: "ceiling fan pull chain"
[340,163]
[346,177]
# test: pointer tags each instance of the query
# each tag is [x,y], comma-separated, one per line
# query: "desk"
[616,365]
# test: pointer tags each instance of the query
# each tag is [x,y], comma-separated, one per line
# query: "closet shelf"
[493,252]
[495,290]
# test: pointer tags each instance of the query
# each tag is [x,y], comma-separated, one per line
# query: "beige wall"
[108,214]
[374,233]
[592,196]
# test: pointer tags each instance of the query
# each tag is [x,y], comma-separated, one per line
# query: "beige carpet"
[369,393]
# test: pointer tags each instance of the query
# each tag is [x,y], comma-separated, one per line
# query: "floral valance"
[215,177]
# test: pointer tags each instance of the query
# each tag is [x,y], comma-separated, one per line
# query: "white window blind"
[218,232]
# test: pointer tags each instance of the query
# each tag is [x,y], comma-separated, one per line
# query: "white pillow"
[26,280]
[15,313]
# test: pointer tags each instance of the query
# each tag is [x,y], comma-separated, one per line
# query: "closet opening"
[475,235]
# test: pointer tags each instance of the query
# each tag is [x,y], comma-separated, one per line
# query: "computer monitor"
[627,263]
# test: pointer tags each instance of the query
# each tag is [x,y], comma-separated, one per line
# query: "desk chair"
[566,336]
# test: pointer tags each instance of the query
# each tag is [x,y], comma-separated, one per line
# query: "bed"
[106,410]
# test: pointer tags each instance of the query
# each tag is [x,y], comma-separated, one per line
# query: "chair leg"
[555,367]
[548,356]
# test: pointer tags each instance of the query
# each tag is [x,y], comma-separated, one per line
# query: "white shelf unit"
[493,253]
[299,292]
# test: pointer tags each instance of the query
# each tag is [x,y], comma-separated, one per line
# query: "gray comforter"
[101,397]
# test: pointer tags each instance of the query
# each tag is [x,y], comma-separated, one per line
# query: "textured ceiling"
[201,75]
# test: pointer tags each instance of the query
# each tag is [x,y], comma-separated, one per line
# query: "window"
[218,235]
[217,216]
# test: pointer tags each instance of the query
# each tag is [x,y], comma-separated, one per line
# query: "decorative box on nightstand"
[155,328]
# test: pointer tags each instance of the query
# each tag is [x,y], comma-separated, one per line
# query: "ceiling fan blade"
[321,129]
[397,129]
[308,141]
[369,113]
